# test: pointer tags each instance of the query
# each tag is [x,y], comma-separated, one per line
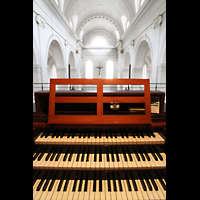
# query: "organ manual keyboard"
[98,145]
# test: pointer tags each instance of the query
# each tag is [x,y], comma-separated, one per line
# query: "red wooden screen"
[99,99]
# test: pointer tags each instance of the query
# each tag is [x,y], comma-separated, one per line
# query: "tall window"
[109,69]
[144,74]
[54,74]
[89,69]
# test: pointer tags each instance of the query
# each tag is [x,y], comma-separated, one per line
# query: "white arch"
[137,45]
[51,39]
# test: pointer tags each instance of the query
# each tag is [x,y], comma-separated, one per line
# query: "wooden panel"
[76,99]
[99,118]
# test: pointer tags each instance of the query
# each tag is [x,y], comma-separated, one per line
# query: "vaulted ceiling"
[87,16]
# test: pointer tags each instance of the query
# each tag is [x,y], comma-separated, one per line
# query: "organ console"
[90,145]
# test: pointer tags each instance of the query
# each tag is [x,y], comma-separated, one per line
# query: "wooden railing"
[99,118]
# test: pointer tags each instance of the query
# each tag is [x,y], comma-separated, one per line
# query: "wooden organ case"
[99,145]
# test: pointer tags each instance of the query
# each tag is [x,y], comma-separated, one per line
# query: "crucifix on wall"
[99,67]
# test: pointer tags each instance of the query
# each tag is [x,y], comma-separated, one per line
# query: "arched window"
[144,74]
[99,42]
[54,73]
[89,69]
[109,69]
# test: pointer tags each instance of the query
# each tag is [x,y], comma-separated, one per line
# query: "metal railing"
[45,86]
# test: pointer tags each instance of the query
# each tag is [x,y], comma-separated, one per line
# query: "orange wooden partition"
[99,99]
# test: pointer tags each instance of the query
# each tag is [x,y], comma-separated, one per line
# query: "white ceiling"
[108,15]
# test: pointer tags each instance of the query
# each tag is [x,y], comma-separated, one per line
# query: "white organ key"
[73,160]
[69,195]
[79,163]
[139,186]
[128,193]
[107,193]
[103,193]
[112,194]
[76,193]
[159,191]
[123,193]
[92,163]
[83,163]
[133,192]
[160,140]
[81,195]
[118,192]
[104,158]
[41,164]
[120,163]
[153,192]
[37,183]
[55,186]
[61,192]
[87,166]
[97,163]
[111,163]
[135,163]
[114,140]
[91,186]
[97,193]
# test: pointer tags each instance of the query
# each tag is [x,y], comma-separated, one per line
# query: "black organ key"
[132,133]
[38,152]
[94,182]
[119,181]
[127,181]
[62,133]
[151,132]
[152,180]
[142,182]
[130,157]
[65,157]
[100,181]
[108,181]
[107,154]
[153,154]
[78,155]
[116,153]
[124,154]
[67,181]
[71,153]
[75,181]
[141,153]
[133,181]
[160,179]
[53,181]
[86,182]
[59,153]
[145,153]
[112,155]
[81,182]
[95,153]
[42,181]
[44,132]
[82,158]
[42,153]
[157,153]
[88,152]
[54,153]
[47,181]
[146,179]
[136,153]
[61,181]
[100,154]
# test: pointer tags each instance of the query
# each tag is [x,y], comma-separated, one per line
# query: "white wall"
[141,28]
